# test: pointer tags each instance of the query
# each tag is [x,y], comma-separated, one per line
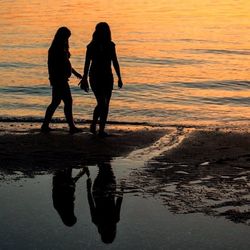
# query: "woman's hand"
[120,84]
[84,85]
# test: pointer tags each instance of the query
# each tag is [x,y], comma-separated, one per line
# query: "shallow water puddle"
[51,212]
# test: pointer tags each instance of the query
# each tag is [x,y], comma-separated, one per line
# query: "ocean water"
[182,62]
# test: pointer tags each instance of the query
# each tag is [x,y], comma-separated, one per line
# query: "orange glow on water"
[157,41]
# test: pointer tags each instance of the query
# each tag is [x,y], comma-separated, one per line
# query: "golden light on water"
[158,42]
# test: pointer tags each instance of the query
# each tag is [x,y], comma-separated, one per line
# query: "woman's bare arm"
[76,73]
[117,68]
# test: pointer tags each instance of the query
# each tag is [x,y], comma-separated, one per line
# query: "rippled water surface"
[181,61]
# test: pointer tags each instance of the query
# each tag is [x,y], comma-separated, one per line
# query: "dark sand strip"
[23,147]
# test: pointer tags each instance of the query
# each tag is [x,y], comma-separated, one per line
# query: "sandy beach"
[207,172]
[181,174]
[23,147]
[190,169]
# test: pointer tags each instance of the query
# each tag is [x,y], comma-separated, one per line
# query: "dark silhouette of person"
[60,69]
[99,55]
[63,194]
[104,206]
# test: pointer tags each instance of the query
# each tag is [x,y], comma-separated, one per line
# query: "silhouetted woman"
[100,53]
[104,207]
[60,70]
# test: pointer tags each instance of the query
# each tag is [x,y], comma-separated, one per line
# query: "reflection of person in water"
[104,208]
[63,194]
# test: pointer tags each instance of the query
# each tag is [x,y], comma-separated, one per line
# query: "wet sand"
[23,146]
[207,172]
[190,170]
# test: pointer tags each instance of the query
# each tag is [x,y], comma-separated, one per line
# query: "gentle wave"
[232,101]
[161,61]
[21,90]
[222,51]
[173,92]
[25,46]
[19,65]
[223,85]
[83,121]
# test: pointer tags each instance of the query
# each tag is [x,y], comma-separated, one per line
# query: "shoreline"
[189,170]
[208,172]
[134,138]
[82,122]
[22,144]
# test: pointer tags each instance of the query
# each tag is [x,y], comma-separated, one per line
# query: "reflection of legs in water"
[63,194]
[104,207]
[81,173]
[101,110]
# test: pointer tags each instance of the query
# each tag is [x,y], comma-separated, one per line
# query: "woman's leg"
[102,96]
[68,101]
[105,100]
[96,113]
[56,100]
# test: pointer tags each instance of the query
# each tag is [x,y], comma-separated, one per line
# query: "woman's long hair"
[60,40]
[102,33]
